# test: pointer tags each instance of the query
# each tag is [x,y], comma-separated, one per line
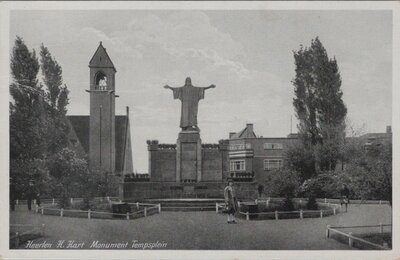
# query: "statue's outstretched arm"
[211,86]
[168,87]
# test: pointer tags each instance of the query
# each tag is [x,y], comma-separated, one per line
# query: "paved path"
[205,230]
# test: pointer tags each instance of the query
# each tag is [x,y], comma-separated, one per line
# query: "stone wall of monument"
[215,162]
[136,191]
[162,161]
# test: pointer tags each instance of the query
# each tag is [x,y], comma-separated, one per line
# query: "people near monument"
[29,202]
[230,202]
[344,196]
[38,199]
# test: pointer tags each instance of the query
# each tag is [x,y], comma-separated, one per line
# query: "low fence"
[332,209]
[20,233]
[54,201]
[353,240]
[142,210]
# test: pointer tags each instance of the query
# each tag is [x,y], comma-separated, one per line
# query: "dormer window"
[101,81]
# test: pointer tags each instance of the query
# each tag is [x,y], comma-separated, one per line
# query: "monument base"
[138,191]
[188,157]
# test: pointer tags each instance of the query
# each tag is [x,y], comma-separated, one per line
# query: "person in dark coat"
[344,194]
[38,199]
[230,202]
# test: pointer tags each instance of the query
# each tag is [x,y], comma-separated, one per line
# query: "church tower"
[102,112]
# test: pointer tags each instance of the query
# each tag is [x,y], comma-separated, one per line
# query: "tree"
[38,124]
[301,160]
[282,183]
[369,172]
[27,135]
[318,103]
[57,94]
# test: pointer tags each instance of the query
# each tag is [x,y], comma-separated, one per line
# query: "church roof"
[80,125]
[247,132]
[101,59]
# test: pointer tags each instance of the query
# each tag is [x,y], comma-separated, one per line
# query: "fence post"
[327,230]
[52,202]
[380,227]
[61,212]
[216,207]
[42,230]
[238,204]
[36,208]
[17,202]
[350,239]
[72,201]
[300,202]
[380,202]
[334,210]
[325,200]
[127,215]
[247,216]
[34,202]
[42,210]
[137,205]
[267,203]
[256,201]
[276,215]
[145,212]
[108,198]
[88,214]
[159,207]
[321,214]
[301,214]
[16,240]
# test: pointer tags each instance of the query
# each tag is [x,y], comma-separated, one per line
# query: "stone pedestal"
[188,157]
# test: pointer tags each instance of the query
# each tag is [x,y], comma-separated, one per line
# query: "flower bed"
[273,209]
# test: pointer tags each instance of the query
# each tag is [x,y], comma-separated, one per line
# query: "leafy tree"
[282,183]
[318,103]
[301,160]
[27,135]
[70,172]
[57,130]
[369,172]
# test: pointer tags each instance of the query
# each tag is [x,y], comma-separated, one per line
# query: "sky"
[247,54]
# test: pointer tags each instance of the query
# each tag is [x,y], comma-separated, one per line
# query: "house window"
[273,146]
[234,147]
[237,165]
[273,164]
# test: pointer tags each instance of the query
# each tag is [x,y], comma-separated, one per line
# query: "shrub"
[312,203]
[288,204]
[282,183]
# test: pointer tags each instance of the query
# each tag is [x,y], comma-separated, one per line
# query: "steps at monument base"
[187,204]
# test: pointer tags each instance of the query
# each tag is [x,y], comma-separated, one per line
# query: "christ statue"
[190,96]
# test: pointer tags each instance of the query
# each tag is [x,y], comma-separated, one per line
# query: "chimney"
[231,134]
[389,129]
[249,127]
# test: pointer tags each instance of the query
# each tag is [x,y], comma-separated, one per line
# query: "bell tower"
[102,112]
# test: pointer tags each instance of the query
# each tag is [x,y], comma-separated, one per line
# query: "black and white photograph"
[221,130]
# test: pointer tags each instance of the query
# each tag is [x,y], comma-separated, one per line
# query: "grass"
[206,230]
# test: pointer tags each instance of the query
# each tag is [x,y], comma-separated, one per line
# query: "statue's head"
[188,81]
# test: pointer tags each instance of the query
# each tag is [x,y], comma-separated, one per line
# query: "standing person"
[230,202]
[38,199]
[29,201]
[344,193]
